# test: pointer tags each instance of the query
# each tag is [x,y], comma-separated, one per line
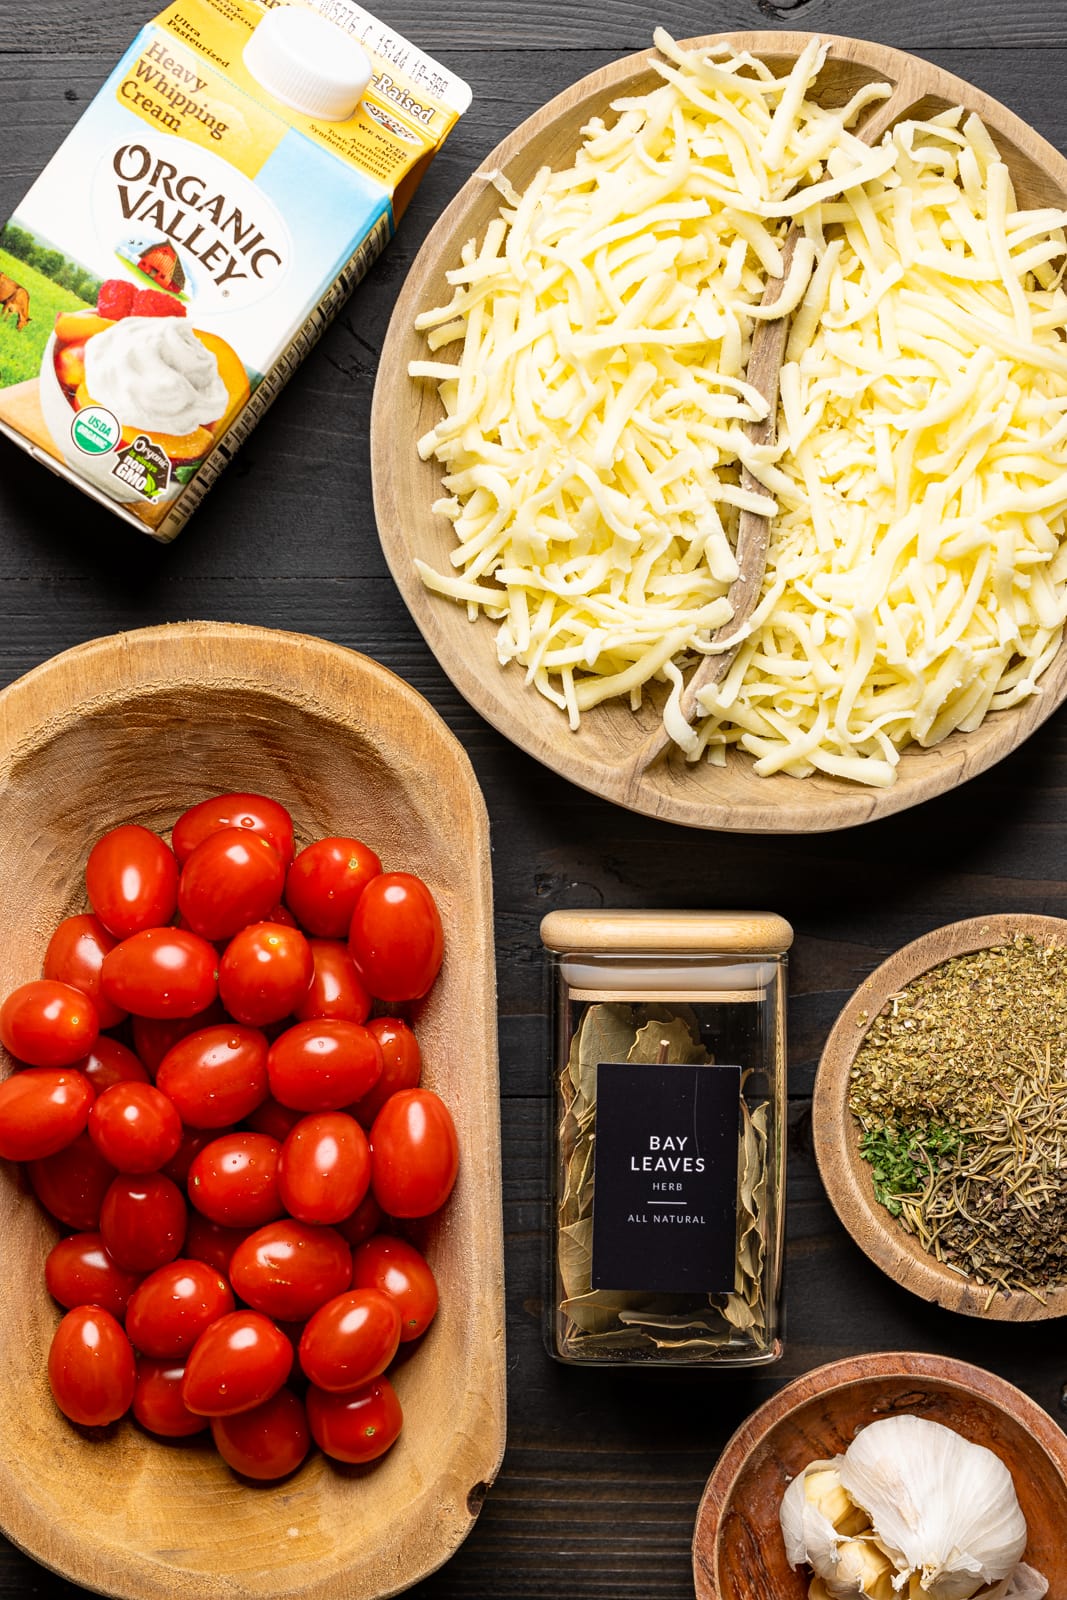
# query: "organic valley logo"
[207,209]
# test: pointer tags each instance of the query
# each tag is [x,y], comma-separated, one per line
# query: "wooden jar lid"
[760,933]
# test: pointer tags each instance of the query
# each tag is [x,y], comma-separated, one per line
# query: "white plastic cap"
[308,63]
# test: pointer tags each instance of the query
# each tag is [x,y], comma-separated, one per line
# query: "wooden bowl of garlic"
[1007,1525]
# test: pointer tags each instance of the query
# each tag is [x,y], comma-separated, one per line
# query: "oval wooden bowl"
[847,1177]
[601,756]
[738,1552]
[137,727]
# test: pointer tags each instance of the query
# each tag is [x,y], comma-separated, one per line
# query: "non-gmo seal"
[95,430]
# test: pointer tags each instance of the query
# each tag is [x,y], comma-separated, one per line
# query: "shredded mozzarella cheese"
[595,421]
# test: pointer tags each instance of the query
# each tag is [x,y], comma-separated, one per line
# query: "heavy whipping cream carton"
[236,175]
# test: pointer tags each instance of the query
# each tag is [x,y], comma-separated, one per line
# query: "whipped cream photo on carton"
[234,178]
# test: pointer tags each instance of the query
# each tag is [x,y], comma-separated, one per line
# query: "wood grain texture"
[738,1553]
[135,728]
[848,1177]
[609,753]
[603,1472]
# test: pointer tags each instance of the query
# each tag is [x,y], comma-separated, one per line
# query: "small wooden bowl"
[602,756]
[136,728]
[738,1553]
[847,1176]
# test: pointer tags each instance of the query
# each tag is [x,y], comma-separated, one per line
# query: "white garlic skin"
[942,1506]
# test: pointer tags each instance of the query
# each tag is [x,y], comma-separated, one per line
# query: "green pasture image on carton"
[21,350]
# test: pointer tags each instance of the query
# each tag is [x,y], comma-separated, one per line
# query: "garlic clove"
[862,1569]
[943,1508]
[808,1533]
[824,1490]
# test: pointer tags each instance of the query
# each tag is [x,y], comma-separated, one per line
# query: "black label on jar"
[665,1177]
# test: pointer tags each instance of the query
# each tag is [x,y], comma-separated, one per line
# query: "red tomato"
[357,1426]
[79,1271]
[75,955]
[157,1399]
[401,1065]
[72,1183]
[135,1127]
[396,1268]
[132,880]
[234,1180]
[364,1221]
[231,879]
[253,812]
[324,1167]
[289,1269]
[154,1036]
[335,989]
[110,1062]
[264,972]
[142,1221]
[414,1153]
[91,1367]
[324,883]
[323,1065]
[237,1363]
[217,1076]
[211,1242]
[42,1109]
[275,1119]
[350,1340]
[282,914]
[169,1311]
[268,1442]
[396,939]
[162,972]
[48,1024]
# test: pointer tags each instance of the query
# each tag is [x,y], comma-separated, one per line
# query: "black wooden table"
[603,1470]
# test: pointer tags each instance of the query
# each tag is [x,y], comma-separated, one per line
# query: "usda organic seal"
[95,430]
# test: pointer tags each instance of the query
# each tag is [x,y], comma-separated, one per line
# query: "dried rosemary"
[960,1088]
[605,1325]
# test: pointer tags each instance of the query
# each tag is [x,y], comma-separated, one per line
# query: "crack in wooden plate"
[847,1177]
[738,1552]
[600,757]
[135,728]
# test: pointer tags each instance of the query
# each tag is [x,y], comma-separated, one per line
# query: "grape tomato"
[80,1271]
[267,1442]
[256,813]
[131,878]
[233,1180]
[414,1153]
[288,1269]
[170,1309]
[216,1076]
[324,1167]
[91,1367]
[110,1062]
[42,1109]
[350,1339]
[325,881]
[399,1270]
[232,878]
[238,1362]
[396,938]
[157,1399]
[324,1065]
[265,972]
[135,1127]
[75,955]
[336,989]
[401,1065]
[356,1426]
[71,1184]
[48,1024]
[143,1220]
[161,972]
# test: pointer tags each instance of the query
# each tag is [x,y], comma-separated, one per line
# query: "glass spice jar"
[669,1147]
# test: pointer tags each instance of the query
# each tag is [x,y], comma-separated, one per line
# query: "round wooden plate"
[135,728]
[738,1552]
[600,756]
[847,1176]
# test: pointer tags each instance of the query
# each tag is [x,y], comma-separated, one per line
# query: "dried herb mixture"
[960,1088]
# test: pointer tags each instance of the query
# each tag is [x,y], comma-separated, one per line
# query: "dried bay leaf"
[681,1046]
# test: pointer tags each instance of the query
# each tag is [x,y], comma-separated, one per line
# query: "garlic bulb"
[911,1511]
[942,1506]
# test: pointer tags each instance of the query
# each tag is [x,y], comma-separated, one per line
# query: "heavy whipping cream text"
[154,373]
[184,207]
